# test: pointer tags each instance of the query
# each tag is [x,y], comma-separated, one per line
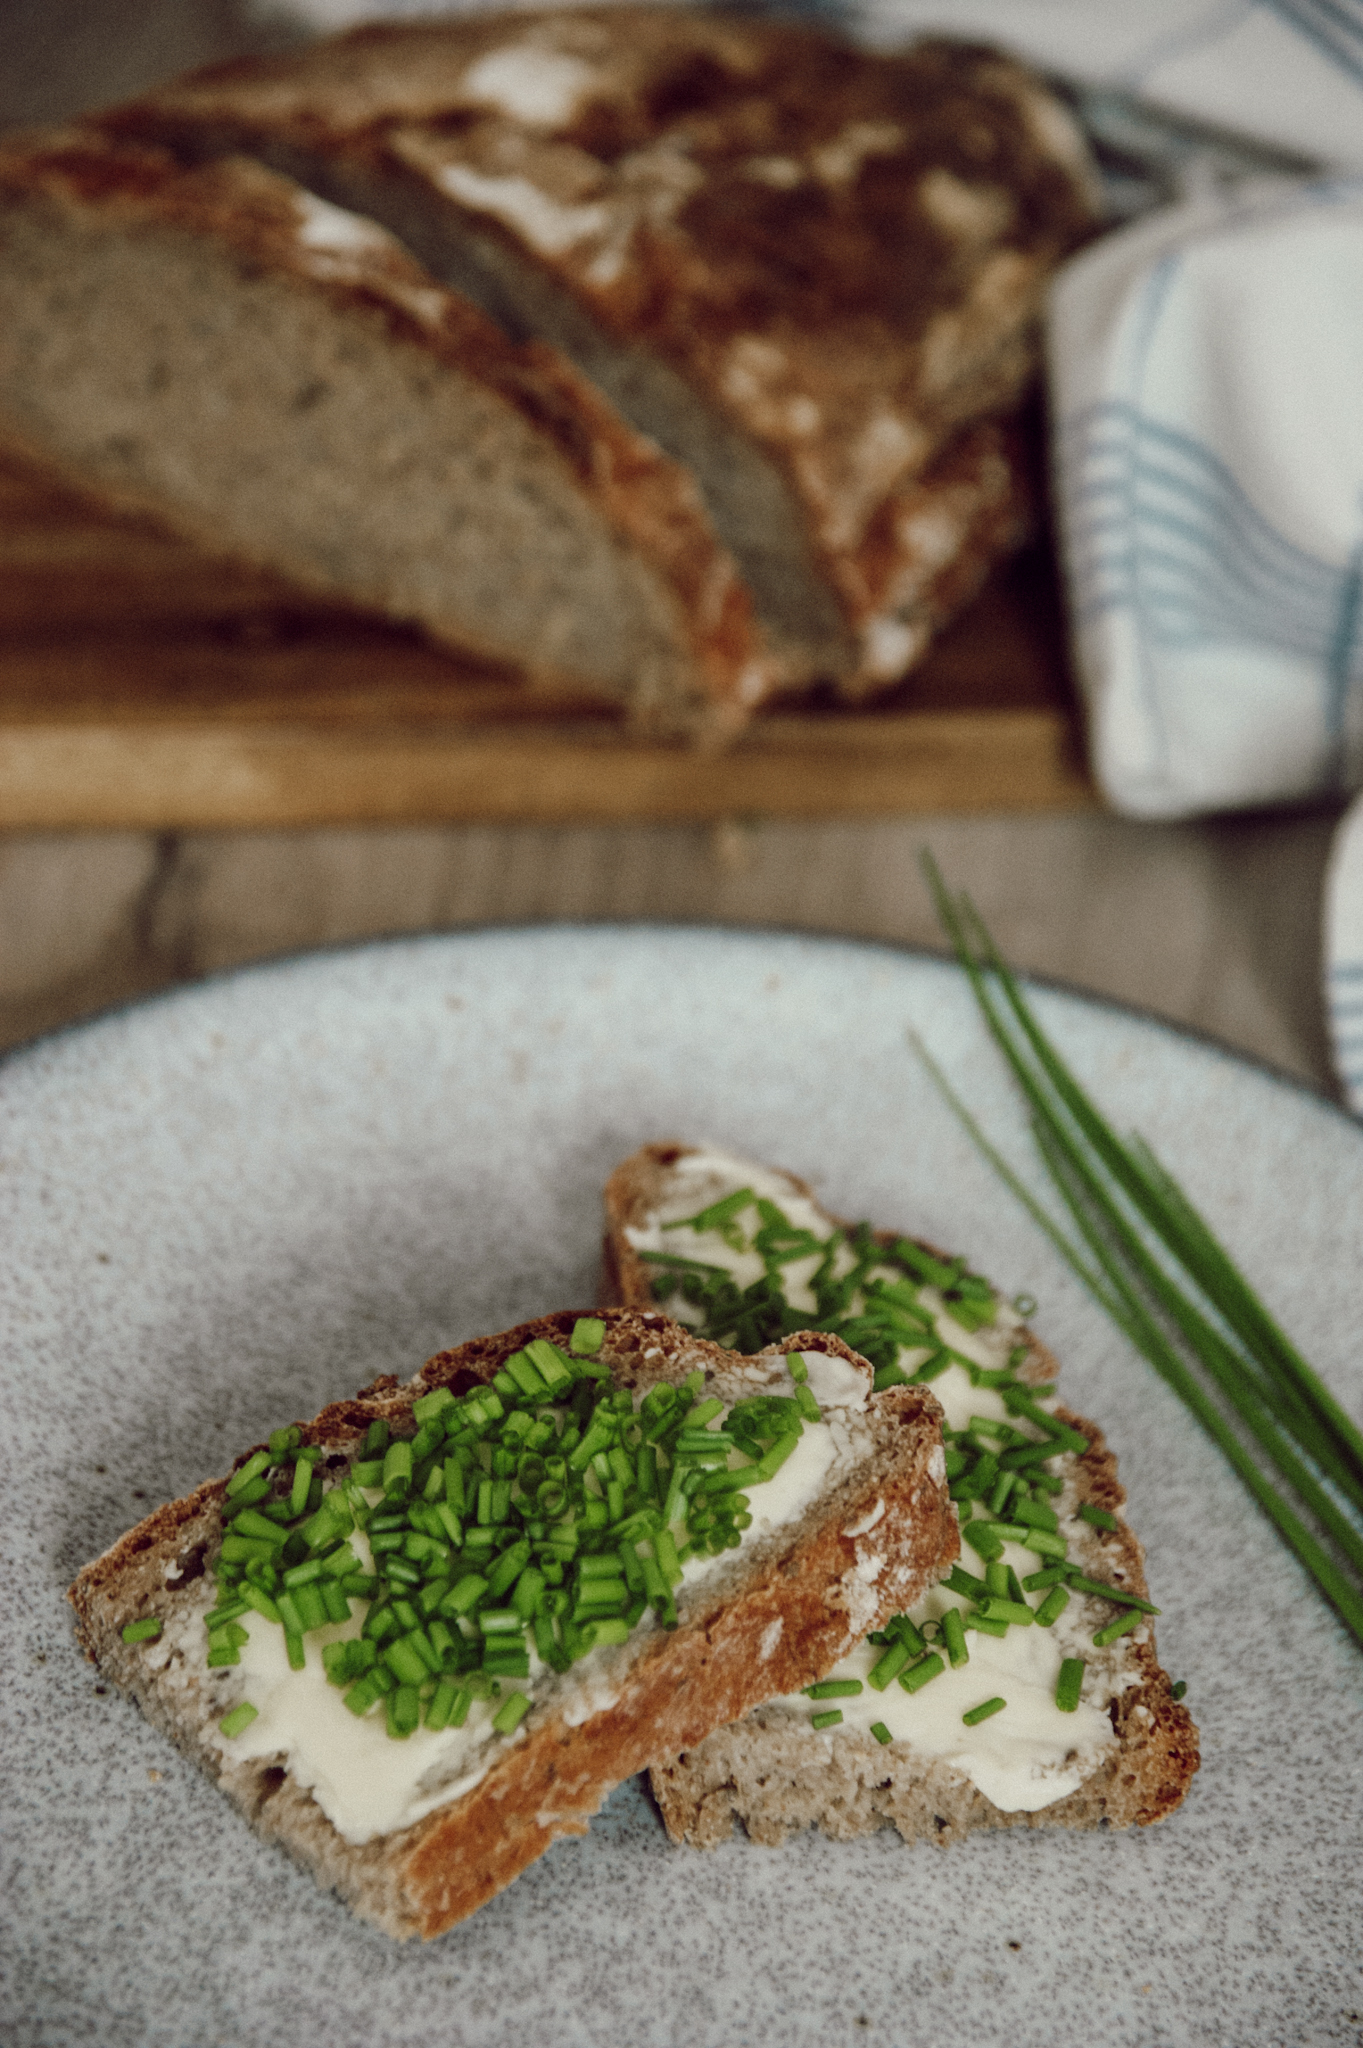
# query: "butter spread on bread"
[762,1252]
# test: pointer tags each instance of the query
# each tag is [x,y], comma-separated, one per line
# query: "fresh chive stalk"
[1156,1268]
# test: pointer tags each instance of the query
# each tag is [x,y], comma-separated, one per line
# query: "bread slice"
[766,1617]
[1134,1746]
[280,381]
[811,273]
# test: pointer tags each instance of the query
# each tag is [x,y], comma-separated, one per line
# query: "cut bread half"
[416,1826]
[898,1751]
[280,381]
[806,271]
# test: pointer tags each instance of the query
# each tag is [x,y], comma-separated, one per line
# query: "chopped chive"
[919,1674]
[953,1635]
[145,1630]
[239,1720]
[247,1472]
[833,1689]
[1104,1591]
[589,1334]
[1069,1684]
[1052,1607]
[829,1719]
[889,1666]
[983,1712]
[1015,1613]
[1122,1626]
[881,1732]
[1099,1517]
[958,1580]
[986,1626]
[1178,1688]
[508,1719]
[294,1651]
[1054,1575]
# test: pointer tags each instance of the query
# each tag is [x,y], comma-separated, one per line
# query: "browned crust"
[849,292]
[648,500]
[1150,1770]
[727,1655]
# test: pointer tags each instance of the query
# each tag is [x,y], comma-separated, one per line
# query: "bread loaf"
[281,381]
[1128,1754]
[809,273]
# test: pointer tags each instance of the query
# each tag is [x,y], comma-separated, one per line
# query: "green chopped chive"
[953,1635]
[1104,1591]
[881,1732]
[239,1720]
[1052,1607]
[919,1674]
[511,1714]
[1178,1688]
[889,1666]
[983,1712]
[833,1689]
[1054,1575]
[145,1630]
[829,1719]
[1099,1517]
[247,1472]
[589,1334]
[1122,1626]
[1069,1684]
[986,1626]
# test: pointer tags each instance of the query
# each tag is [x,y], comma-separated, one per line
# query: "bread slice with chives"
[767,1614]
[1134,1747]
[279,380]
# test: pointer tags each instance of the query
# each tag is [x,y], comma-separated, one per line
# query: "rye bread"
[771,1616]
[808,272]
[282,382]
[774,1774]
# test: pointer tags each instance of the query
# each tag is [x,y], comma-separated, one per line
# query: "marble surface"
[227,1205]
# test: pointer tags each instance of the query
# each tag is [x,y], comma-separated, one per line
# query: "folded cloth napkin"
[1344,954]
[1205,369]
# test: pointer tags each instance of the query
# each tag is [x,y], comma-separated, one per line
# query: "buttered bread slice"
[1024,1687]
[422,1636]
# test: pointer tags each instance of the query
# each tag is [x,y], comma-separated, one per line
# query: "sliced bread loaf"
[807,272]
[281,381]
[417,1826]
[742,1250]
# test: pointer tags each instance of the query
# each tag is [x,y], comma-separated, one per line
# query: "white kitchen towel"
[1206,368]
[1344,954]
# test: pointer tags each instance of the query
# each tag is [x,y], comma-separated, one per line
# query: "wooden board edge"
[171,777]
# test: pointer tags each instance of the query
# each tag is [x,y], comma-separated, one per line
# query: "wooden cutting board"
[146,685]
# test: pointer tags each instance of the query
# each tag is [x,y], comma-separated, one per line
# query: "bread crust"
[764,1626]
[842,254]
[775,1776]
[649,502]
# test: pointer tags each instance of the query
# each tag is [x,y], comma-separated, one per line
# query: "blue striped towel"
[1206,365]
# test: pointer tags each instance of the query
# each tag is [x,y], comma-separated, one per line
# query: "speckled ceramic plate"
[221,1209]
